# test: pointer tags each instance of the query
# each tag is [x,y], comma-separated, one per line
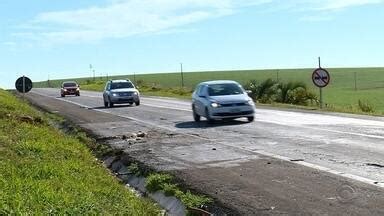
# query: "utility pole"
[92,71]
[277,75]
[182,75]
[321,89]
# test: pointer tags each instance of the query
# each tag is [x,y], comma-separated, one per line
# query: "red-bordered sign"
[320,77]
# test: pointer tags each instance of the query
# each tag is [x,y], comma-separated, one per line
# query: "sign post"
[321,78]
[23,84]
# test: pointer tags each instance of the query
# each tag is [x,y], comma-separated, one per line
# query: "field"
[46,172]
[347,87]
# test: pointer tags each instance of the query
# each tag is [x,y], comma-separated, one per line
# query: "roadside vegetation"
[348,85]
[164,182]
[44,171]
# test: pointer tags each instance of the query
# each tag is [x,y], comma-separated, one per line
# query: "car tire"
[210,121]
[196,117]
[78,94]
[62,95]
[111,104]
[106,104]
[137,103]
[251,119]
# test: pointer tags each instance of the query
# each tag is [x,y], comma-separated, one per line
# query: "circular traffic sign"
[23,84]
[320,77]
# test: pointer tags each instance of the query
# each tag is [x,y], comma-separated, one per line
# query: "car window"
[69,84]
[224,89]
[120,85]
[108,86]
[201,90]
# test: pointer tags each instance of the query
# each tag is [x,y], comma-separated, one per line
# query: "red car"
[70,88]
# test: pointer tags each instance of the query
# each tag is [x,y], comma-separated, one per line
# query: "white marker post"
[320,78]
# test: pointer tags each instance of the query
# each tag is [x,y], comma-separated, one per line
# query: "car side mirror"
[248,92]
[202,96]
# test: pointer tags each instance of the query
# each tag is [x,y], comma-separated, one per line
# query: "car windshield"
[224,89]
[70,84]
[120,85]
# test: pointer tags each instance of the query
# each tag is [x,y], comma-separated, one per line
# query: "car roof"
[69,82]
[119,81]
[213,82]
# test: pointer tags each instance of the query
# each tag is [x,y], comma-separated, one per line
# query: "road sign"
[23,84]
[320,77]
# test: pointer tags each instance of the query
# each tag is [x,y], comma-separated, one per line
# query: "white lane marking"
[262,152]
[164,107]
[324,169]
[323,129]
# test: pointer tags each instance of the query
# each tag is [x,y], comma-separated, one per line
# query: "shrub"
[170,189]
[366,107]
[286,92]
[263,92]
[156,181]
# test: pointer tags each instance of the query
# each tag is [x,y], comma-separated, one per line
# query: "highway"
[311,154]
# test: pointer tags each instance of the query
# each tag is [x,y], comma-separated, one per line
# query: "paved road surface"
[245,165]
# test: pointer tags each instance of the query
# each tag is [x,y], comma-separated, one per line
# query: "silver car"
[222,99]
[120,92]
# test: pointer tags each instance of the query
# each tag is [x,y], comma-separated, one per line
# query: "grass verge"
[43,171]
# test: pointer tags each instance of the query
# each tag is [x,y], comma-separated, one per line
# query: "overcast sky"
[60,39]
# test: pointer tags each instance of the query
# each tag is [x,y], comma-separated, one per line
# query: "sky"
[53,39]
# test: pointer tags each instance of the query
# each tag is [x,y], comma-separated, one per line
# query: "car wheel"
[209,119]
[137,103]
[106,104]
[110,103]
[196,117]
[251,119]
[62,95]
[78,94]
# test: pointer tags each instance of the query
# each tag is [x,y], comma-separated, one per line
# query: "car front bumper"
[231,112]
[70,92]
[124,99]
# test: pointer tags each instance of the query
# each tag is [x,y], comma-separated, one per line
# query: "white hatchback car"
[221,99]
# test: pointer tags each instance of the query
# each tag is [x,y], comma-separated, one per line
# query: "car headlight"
[215,105]
[135,93]
[78,89]
[250,102]
[115,94]
[65,89]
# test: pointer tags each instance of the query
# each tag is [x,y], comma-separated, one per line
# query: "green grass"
[43,171]
[164,182]
[341,94]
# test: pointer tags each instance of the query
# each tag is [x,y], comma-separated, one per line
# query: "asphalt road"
[285,162]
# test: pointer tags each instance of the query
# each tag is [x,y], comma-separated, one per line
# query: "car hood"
[230,98]
[124,90]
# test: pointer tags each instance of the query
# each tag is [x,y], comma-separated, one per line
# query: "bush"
[272,91]
[263,92]
[155,182]
[366,107]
